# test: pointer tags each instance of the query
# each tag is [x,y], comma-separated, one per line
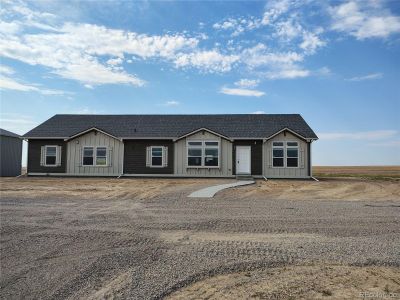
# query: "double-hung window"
[203,154]
[156,156]
[278,153]
[211,154]
[195,154]
[101,156]
[88,156]
[292,154]
[94,156]
[51,155]
[285,154]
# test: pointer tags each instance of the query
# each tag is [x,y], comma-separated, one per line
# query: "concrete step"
[244,177]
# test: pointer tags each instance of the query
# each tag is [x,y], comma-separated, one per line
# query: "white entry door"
[243,160]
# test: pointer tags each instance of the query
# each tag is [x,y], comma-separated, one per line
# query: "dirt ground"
[71,238]
[298,282]
[112,188]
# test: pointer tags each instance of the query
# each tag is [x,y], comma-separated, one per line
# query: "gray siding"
[10,156]
[300,172]
[94,138]
[34,152]
[135,157]
[180,157]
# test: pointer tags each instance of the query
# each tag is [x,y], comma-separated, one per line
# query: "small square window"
[277,144]
[292,144]
[278,162]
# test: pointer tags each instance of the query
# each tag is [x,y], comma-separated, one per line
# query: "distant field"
[372,172]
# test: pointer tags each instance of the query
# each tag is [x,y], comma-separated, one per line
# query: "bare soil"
[71,238]
[112,188]
[349,189]
[298,282]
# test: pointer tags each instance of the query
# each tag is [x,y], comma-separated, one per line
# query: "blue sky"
[336,63]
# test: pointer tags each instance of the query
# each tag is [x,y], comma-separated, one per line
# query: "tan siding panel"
[225,157]
[74,148]
[300,172]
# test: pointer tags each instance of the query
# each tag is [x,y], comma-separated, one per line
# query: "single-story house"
[10,154]
[268,145]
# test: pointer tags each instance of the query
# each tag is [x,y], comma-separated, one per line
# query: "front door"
[243,160]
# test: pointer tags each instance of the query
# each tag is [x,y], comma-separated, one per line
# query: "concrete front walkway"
[209,192]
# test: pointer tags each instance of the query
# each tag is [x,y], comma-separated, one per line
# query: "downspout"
[27,157]
[310,162]
[123,159]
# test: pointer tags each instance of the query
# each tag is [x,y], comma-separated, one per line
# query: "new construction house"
[268,145]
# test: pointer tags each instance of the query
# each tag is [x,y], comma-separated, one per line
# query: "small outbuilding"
[10,153]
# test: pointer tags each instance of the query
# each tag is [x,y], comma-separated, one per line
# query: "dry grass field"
[108,238]
[370,172]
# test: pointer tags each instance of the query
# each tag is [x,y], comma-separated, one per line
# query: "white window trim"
[298,153]
[45,156]
[285,157]
[203,153]
[272,154]
[95,156]
[162,157]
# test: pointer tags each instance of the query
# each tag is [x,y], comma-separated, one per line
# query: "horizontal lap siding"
[94,138]
[34,150]
[135,157]
[300,172]
[256,155]
[225,168]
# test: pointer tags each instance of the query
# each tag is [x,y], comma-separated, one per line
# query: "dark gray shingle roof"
[4,132]
[134,126]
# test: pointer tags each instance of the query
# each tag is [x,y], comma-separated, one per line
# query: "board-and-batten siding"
[300,172]
[115,152]
[180,157]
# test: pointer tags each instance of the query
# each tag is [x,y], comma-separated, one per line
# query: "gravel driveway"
[54,248]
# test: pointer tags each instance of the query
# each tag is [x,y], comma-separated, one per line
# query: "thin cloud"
[211,61]
[17,123]
[371,76]
[241,92]
[7,83]
[247,83]
[387,144]
[361,135]
[259,112]
[363,20]
[172,103]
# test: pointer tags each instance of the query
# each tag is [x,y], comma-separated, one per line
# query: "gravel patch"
[147,248]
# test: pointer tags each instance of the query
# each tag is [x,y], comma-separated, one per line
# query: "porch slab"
[209,192]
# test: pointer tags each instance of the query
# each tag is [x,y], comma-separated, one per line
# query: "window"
[211,154]
[156,156]
[101,156]
[88,156]
[285,156]
[51,155]
[292,154]
[195,153]
[203,154]
[278,154]
[94,156]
